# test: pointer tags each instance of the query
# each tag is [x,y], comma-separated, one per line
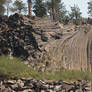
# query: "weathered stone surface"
[43,86]
[16,37]
[71,52]
[46,44]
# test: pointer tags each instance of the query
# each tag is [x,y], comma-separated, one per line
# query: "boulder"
[23,85]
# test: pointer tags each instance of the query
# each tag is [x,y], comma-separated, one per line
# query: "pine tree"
[18,6]
[57,9]
[39,8]
[90,8]
[75,14]
[60,11]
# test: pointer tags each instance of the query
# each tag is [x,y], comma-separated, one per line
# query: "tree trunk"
[54,13]
[30,7]
[53,10]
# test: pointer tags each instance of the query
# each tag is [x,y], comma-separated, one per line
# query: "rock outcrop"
[16,37]
[73,51]
[47,44]
[68,46]
[31,85]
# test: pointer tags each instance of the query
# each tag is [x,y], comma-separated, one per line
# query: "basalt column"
[89,55]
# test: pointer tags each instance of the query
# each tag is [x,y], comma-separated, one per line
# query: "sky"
[81,3]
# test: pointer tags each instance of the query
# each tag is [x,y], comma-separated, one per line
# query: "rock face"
[46,43]
[22,38]
[72,52]
[17,38]
[31,85]
[67,47]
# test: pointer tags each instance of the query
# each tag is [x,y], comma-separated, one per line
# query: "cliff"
[47,44]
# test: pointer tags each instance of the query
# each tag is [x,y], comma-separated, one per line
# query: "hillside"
[46,44]
[50,50]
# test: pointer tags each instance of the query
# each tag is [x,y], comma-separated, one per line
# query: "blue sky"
[81,3]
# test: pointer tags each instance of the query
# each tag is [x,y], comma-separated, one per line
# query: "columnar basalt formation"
[16,37]
[47,44]
[72,52]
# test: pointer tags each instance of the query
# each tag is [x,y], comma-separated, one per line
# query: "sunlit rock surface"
[47,44]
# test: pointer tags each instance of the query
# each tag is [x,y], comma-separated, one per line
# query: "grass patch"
[68,75]
[15,68]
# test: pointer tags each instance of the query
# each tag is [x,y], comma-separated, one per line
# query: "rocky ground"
[25,38]
[31,85]
[16,37]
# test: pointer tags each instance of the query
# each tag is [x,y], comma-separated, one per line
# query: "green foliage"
[90,8]
[60,10]
[65,19]
[59,7]
[68,75]
[12,68]
[75,14]
[19,6]
[39,8]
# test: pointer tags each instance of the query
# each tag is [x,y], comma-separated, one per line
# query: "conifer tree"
[39,8]
[75,14]
[90,8]
[57,9]
[19,6]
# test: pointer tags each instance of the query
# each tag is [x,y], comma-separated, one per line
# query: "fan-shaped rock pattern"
[72,52]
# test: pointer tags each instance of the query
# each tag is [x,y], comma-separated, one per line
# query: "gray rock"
[43,91]
[28,90]
[58,88]
[20,83]
[15,86]
[11,82]
[2,87]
